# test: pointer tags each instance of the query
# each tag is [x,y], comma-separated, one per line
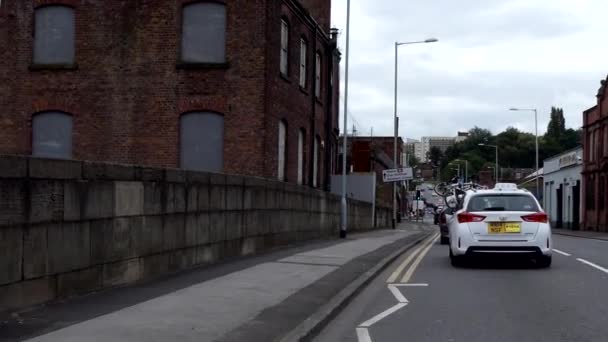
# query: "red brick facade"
[127,88]
[595,167]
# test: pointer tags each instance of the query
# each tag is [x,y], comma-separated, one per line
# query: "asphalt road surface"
[421,297]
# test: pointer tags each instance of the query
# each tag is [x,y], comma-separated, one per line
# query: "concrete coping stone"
[217,179]
[13,166]
[44,168]
[235,180]
[107,171]
[148,174]
[197,177]
[175,175]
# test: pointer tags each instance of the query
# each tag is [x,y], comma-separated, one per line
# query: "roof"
[555,156]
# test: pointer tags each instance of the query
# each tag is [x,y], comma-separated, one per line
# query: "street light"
[496,165]
[466,169]
[395,119]
[344,149]
[536,124]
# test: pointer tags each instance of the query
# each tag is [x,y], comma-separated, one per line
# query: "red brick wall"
[127,94]
[320,10]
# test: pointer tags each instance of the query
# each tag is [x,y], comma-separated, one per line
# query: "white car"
[500,221]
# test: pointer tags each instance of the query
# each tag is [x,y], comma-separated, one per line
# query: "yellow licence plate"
[504,227]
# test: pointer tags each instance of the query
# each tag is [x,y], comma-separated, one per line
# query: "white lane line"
[382,315]
[398,295]
[399,269]
[593,265]
[414,285]
[410,271]
[363,335]
[561,252]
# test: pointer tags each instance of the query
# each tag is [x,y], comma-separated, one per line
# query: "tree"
[557,124]
[435,155]
[413,161]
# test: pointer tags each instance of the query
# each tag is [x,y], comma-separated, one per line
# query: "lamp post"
[496,165]
[344,224]
[466,169]
[395,118]
[536,128]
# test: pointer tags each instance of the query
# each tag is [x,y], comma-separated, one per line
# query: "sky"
[492,55]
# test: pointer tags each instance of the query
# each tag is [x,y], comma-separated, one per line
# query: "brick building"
[245,87]
[375,154]
[595,163]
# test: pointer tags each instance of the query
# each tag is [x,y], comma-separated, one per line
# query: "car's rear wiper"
[494,209]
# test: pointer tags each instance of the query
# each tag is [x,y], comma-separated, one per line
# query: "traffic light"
[417,195]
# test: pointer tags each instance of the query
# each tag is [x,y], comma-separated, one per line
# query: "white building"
[441,142]
[563,191]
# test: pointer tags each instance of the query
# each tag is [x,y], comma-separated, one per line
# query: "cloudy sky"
[492,55]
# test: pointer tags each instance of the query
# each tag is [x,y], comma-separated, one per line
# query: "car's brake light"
[536,217]
[468,217]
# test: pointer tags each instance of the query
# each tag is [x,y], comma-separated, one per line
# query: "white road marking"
[399,269]
[382,315]
[410,271]
[561,252]
[414,285]
[398,295]
[593,265]
[363,335]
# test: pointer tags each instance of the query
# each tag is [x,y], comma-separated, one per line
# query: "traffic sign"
[397,175]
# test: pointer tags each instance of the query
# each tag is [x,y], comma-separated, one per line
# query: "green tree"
[435,155]
[413,161]
[557,124]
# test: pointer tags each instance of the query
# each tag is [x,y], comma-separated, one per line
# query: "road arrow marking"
[363,335]
[561,252]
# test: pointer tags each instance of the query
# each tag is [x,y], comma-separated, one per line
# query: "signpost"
[397,175]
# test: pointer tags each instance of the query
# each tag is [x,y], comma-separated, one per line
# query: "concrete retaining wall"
[71,227]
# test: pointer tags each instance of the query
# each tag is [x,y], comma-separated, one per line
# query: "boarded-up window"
[202,141]
[301,156]
[54,35]
[284,47]
[52,135]
[303,62]
[318,76]
[204,33]
[315,162]
[282,150]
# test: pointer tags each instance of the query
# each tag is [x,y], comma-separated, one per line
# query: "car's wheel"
[445,240]
[543,261]
[457,261]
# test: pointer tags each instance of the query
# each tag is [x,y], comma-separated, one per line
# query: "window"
[303,62]
[202,141]
[52,135]
[605,145]
[315,163]
[318,76]
[284,47]
[592,146]
[502,203]
[602,193]
[282,150]
[54,35]
[204,33]
[301,156]
[590,192]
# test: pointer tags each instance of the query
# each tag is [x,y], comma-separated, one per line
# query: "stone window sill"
[201,66]
[60,66]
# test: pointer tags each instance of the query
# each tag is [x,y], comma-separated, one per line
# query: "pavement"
[582,234]
[261,298]
[421,297]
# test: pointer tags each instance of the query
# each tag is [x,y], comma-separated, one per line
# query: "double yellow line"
[418,254]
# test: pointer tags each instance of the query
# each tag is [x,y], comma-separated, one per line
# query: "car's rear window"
[502,203]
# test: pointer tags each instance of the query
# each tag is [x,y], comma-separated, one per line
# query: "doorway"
[576,205]
[559,219]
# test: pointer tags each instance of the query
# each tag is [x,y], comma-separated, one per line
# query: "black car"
[443,225]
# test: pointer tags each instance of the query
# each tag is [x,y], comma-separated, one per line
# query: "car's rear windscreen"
[502,203]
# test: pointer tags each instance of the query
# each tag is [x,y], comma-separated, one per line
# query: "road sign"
[397,175]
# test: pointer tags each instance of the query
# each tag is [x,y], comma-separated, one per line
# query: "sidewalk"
[582,234]
[258,299]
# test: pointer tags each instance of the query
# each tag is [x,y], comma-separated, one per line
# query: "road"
[421,297]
